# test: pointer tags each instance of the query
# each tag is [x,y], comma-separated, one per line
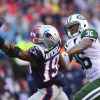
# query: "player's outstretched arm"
[13,51]
[84,44]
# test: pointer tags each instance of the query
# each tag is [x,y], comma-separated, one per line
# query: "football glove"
[65,57]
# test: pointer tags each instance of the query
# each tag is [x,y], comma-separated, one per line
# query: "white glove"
[65,57]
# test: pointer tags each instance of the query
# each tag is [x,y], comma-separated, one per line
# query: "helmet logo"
[47,34]
[48,38]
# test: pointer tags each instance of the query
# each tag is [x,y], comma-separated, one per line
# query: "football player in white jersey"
[83,46]
[44,61]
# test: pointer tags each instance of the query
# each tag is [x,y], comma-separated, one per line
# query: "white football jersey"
[90,57]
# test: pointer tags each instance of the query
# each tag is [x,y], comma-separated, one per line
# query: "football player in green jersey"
[83,45]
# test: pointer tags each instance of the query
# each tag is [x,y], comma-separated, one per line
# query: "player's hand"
[66,57]
[1,41]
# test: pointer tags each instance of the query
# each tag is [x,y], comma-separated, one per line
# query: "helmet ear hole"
[85,25]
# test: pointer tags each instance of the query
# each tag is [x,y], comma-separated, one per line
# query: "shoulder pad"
[36,51]
[91,33]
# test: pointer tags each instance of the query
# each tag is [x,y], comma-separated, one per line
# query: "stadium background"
[21,15]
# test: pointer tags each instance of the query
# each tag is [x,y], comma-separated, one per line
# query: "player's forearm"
[10,50]
[13,51]
[84,44]
[74,50]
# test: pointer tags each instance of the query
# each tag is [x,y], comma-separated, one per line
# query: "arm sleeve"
[11,50]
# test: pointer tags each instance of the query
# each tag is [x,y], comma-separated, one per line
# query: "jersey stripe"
[92,94]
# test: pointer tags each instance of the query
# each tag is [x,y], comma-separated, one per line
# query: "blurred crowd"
[22,15]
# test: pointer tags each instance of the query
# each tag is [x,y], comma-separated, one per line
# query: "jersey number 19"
[51,68]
